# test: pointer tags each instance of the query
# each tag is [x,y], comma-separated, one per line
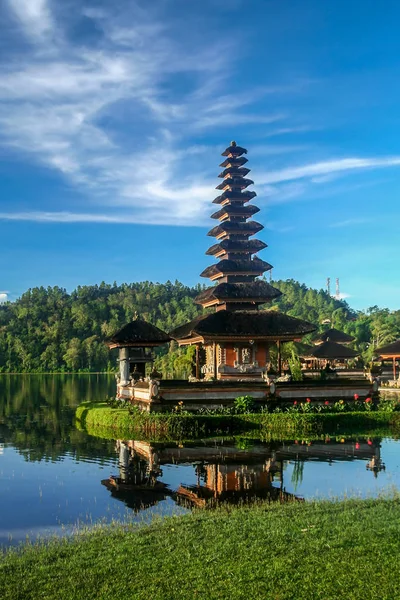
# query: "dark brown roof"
[138,333]
[238,210]
[244,196]
[258,291]
[250,324]
[234,161]
[232,245]
[231,227]
[331,350]
[391,349]
[235,181]
[254,265]
[234,171]
[234,149]
[334,335]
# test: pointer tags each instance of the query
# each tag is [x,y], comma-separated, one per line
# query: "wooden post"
[215,360]
[197,362]
[279,358]
[124,365]
[394,367]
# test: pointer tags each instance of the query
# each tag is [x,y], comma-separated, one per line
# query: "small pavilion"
[135,342]
[333,351]
[390,352]
[334,335]
[237,336]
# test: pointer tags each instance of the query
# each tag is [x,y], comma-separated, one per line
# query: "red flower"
[356,396]
[308,399]
[369,442]
[295,402]
[368,400]
[357,446]
[326,402]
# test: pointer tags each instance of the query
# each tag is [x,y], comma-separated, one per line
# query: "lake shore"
[267,551]
[100,420]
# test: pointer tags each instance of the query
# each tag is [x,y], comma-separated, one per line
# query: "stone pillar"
[124,366]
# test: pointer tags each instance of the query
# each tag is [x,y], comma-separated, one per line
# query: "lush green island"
[51,330]
[306,550]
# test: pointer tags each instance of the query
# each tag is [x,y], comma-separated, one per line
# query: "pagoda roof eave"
[228,325]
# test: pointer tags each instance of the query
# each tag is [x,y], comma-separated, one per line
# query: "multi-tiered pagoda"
[237,337]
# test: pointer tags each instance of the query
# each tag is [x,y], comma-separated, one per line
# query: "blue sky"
[113,116]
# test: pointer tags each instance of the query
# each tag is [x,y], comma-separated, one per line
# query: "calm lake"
[55,478]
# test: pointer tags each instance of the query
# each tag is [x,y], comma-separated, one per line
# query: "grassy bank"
[302,551]
[100,420]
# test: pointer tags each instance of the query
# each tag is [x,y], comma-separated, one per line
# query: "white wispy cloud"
[33,15]
[327,167]
[352,222]
[122,119]
[3,297]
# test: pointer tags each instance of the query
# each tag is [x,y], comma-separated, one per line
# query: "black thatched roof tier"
[234,161]
[234,171]
[241,182]
[250,246]
[257,291]
[234,150]
[236,211]
[138,333]
[331,350]
[254,266]
[235,196]
[230,227]
[392,349]
[334,335]
[225,324]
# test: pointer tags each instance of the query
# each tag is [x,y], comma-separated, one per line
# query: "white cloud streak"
[327,167]
[111,117]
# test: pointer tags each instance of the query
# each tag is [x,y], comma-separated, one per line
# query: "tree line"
[51,330]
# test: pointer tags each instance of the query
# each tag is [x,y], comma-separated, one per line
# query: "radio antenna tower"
[328,286]
[337,295]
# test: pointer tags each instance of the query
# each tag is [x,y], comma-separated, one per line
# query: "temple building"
[237,336]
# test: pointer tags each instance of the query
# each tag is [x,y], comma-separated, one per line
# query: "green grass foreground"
[326,550]
[100,420]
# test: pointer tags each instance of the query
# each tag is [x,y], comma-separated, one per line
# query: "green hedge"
[101,420]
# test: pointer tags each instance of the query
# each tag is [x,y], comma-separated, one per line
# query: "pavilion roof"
[138,333]
[234,150]
[334,335]
[236,211]
[332,350]
[234,171]
[392,350]
[231,227]
[237,266]
[226,324]
[235,181]
[258,291]
[251,246]
[244,196]
[234,161]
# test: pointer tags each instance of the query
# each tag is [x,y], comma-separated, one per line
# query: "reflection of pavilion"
[225,472]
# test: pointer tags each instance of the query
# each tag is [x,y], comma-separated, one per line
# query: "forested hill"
[48,329]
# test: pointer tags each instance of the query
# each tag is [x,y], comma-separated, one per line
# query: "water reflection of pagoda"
[224,471]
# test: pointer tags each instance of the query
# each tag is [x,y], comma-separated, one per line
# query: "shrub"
[243,404]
